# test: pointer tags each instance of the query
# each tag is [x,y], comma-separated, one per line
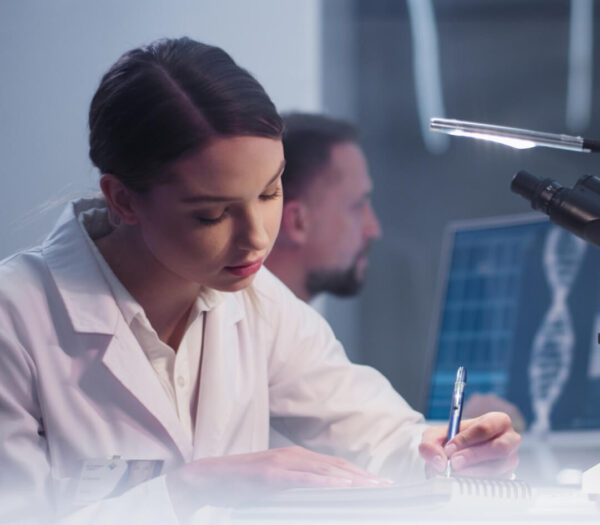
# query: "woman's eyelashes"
[214,219]
[273,195]
[210,219]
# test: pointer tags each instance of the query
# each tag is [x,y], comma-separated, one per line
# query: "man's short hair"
[307,142]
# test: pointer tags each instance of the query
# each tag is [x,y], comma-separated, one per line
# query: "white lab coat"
[75,384]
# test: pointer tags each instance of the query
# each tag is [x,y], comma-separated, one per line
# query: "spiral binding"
[492,488]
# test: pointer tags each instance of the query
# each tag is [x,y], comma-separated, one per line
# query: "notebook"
[436,493]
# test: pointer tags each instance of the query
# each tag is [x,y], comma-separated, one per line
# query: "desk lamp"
[514,137]
[576,209]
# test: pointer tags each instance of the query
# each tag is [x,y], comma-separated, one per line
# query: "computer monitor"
[519,306]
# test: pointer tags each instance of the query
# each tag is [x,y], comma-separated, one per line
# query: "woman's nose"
[252,233]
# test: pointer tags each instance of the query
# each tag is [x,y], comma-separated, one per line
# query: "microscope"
[576,209]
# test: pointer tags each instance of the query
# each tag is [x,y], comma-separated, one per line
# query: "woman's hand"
[478,404]
[232,480]
[485,446]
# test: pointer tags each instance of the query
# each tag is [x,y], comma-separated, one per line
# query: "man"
[328,222]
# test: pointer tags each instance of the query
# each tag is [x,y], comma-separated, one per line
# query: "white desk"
[559,457]
[548,505]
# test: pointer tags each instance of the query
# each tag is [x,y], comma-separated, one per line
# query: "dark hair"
[307,142]
[159,102]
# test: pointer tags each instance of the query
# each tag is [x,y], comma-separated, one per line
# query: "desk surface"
[542,463]
[548,505]
[558,458]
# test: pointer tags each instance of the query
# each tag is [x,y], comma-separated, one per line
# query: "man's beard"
[341,283]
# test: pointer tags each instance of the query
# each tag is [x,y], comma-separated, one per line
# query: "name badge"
[109,477]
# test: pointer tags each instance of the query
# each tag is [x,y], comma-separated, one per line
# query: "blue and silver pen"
[456,406]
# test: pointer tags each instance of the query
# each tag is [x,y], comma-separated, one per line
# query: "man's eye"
[362,204]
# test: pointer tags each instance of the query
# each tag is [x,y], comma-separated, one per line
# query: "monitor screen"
[519,307]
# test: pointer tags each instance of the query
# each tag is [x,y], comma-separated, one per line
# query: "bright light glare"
[507,141]
[513,137]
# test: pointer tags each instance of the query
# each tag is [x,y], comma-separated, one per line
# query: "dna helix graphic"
[553,343]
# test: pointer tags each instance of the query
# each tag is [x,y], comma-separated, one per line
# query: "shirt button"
[181,381]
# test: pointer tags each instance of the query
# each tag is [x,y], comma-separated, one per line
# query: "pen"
[456,406]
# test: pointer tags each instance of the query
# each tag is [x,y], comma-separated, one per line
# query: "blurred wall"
[52,55]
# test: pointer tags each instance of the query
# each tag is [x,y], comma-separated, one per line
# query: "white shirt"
[75,383]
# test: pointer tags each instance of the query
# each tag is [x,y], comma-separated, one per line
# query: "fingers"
[432,450]
[237,479]
[482,429]
[485,446]
[324,470]
[502,468]
[295,479]
[478,404]
[497,448]
[332,479]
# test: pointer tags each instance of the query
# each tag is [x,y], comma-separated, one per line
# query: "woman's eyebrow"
[223,198]
[277,175]
[206,198]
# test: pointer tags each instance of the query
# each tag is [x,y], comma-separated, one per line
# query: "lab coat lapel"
[127,362]
[79,281]
[220,364]
[92,309]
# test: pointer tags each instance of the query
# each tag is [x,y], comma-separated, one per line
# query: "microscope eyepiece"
[525,184]
[576,209]
[539,191]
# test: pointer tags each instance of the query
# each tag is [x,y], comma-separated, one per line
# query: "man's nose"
[372,227]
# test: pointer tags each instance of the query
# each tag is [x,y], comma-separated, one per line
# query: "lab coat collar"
[80,282]
[92,309]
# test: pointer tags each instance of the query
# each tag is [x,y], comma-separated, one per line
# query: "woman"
[144,328]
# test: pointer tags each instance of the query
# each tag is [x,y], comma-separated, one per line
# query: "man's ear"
[119,198]
[295,221]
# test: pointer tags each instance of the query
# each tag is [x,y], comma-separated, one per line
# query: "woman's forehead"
[229,166]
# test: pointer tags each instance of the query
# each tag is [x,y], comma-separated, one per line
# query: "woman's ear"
[295,222]
[119,198]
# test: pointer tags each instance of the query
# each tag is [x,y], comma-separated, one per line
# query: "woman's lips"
[244,270]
